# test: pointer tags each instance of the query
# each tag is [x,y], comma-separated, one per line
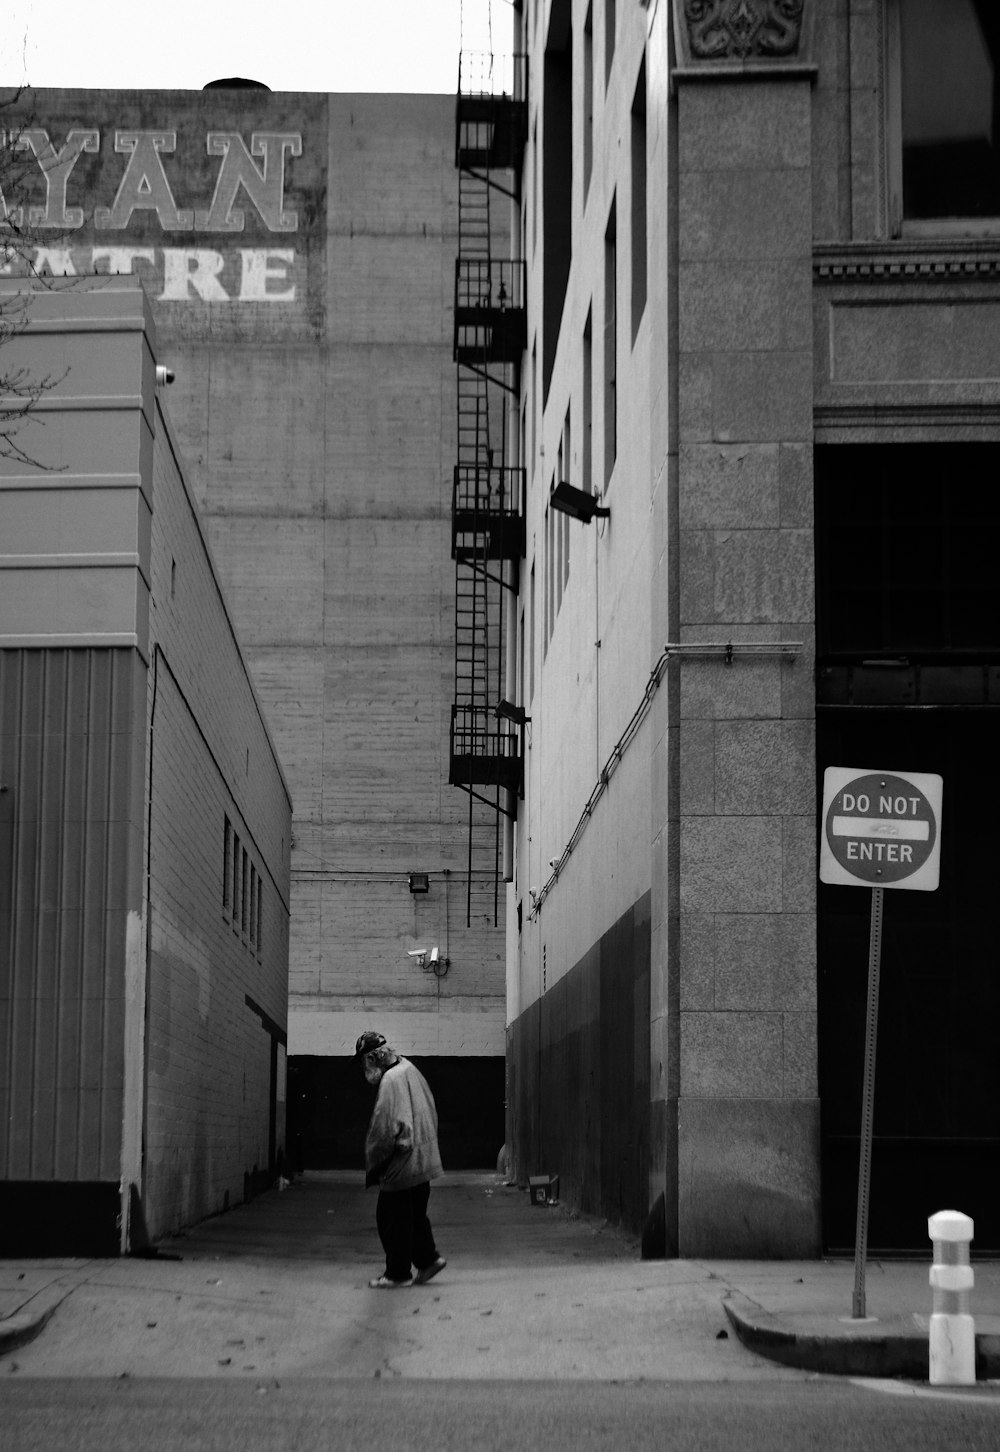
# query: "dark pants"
[405,1231]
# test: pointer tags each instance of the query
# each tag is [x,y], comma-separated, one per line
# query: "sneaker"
[429,1272]
[383,1283]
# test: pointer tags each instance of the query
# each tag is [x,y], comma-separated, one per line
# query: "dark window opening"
[588,98]
[949,50]
[610,345]
[587,475]
[609,38]
[906,551]
[557,181]
[227,857]
[638,148]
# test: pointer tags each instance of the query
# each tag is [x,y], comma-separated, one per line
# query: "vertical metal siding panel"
[49,954]
[121,726]
[67,1160]
[9,700]
[120,792]
[9,692]
[61,984]
[92,844]
[27,839]
[100,1104]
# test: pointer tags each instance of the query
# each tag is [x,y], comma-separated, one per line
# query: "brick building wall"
[303,296]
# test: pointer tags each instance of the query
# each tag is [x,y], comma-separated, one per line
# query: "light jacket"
[401,1147]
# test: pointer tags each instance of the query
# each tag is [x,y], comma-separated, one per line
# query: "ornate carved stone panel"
[742,34]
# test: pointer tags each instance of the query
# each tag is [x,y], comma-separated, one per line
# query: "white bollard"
[952,1328]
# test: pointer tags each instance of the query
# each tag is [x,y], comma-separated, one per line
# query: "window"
[610,346]
[906,557]
[547,601]
[588,99]
[531,639]
[565,471]
[943,115]
[609,38]
[236,879]
[227,859]
[242,889]
[586,475]
[522,439]
[534,187]
[638,148]
[533,401]
[557,536]
[557,563]
[557,180]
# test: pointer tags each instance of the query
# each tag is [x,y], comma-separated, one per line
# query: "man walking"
[401,1157]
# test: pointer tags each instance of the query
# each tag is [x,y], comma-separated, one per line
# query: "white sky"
[298,45]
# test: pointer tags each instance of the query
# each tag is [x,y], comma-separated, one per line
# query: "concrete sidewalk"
[279,1287]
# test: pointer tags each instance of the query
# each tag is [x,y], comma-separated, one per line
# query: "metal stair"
[490,331]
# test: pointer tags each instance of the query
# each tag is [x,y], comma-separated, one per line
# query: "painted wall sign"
[881,828]
[209,197]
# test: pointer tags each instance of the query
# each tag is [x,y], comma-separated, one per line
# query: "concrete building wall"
[132,1010]
[709,809]
[219,928]
[797,301]
[582,969]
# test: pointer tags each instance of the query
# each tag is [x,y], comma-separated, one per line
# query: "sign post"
[880,829]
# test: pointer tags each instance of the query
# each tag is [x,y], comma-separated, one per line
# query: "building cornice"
[907,261]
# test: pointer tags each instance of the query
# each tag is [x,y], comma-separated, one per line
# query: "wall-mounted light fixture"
[419,882]
[577,503]
[507,711]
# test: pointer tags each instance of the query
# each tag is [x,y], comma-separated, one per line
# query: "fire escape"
[487,528]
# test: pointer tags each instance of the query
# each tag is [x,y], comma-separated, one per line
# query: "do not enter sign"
[881,828]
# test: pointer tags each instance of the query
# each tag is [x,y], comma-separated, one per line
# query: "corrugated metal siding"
[65,746]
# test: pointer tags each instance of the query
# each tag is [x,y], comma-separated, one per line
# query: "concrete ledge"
[890,1347]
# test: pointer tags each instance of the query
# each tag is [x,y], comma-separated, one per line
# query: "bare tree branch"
[20,389]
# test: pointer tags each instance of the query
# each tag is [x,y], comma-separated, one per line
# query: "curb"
[25,1325]
[886,1352]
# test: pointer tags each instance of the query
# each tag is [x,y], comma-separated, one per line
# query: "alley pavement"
[280,1287]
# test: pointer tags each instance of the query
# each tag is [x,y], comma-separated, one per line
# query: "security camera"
[416,952]
[435,955]
[163,375]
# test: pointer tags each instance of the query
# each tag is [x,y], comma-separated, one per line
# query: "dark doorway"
[329,1105]
[908,606]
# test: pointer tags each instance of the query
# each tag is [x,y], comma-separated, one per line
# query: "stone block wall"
[747,1107]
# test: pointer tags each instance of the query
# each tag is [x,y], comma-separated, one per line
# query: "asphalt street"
[222,1416]
[257,1329]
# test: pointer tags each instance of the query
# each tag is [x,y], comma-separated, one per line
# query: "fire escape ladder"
[487,517]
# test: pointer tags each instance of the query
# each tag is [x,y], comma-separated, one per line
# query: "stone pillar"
[748,1112]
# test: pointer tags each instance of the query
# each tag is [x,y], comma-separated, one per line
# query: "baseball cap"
[369,1040]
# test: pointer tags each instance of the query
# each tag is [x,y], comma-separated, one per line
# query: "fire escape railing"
[490,335]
